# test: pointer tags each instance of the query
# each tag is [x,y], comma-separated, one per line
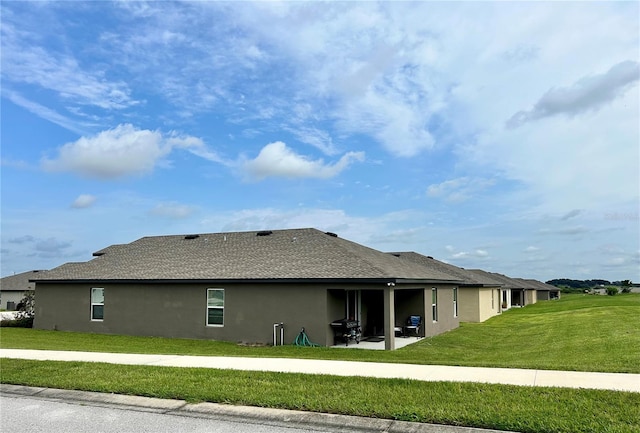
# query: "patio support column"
[389,319]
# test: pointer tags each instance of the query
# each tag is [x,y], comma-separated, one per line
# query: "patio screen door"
[354,305]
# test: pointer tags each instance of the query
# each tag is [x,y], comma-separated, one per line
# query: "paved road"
[27,414]
[508,376]
[35,410]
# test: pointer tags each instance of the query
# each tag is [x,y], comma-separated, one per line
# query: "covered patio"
[378,343]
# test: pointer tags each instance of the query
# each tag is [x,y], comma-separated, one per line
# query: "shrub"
[25,314]
[612,291]
[20,322]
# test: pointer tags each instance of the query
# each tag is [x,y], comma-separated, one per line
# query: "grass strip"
[578,332]
[502,407]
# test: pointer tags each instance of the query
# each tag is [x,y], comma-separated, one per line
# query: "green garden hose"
[302,340]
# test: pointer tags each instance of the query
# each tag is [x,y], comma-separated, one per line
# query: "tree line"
[586,284]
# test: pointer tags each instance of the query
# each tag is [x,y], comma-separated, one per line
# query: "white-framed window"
[97,303]
[455,302]
[434,304]
[215,307]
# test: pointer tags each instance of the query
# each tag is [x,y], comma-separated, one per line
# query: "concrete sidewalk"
[429,373]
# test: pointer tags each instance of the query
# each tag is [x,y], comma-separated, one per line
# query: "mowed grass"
[596,333]
[578,332]
[523,409]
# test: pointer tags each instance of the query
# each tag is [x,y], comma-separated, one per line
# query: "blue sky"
[495,135]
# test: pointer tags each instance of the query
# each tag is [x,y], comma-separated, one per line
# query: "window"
[455,302]
[434,304]
[215,307]
[97,304]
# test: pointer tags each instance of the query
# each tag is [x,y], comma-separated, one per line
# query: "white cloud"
[83,201]
[459,189]
[59,72]
[44,112]
[172,210]
[122,151]
[587,94]
[571,214]
[277,160]
[477,254]
[315,137]
[531,249]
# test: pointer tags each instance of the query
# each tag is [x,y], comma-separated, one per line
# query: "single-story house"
[240,286]
[479,296]
[521,292]
[13,288]
[545,292]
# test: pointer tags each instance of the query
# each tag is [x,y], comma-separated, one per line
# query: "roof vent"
[429,257]
[192,236]
[264,233]
[395,254]
[331,234]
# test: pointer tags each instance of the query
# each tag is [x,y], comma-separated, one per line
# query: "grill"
[346,330]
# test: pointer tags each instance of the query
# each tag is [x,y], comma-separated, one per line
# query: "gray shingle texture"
[467,277]
[284,254]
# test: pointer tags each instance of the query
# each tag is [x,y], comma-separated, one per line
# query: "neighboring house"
[505,291]
[544,291]
[238,286]
[521,292]
[13,288]
[478,297]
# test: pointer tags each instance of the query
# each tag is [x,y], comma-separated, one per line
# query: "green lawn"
[578,332]
[597,333]
[523,409]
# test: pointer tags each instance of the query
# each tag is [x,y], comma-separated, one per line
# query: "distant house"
[238,286]
[13,288]
[516,292]
[478,297]
[544,291]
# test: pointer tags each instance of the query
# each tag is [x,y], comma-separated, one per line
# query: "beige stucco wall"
[469,304]
[477,305]
[489,302]
[531,296]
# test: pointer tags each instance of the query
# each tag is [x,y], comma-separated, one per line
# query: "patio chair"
[413,326]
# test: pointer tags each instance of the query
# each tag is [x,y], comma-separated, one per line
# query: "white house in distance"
[13,288]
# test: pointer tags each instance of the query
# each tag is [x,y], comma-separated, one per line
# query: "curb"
[248,414]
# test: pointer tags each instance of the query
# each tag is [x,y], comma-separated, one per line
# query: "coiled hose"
[302,340]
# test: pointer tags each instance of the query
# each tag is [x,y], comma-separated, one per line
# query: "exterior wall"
[14,296]
[446,320]
[477,305]
[489,305]
[469,304]
[179,311]
[250,311]
[543,295]
[546,295]
[530,296]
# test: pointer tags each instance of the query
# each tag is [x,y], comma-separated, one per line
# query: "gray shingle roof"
[284,254]
[19,282]
[468,278]
[507,282]
[539,285]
